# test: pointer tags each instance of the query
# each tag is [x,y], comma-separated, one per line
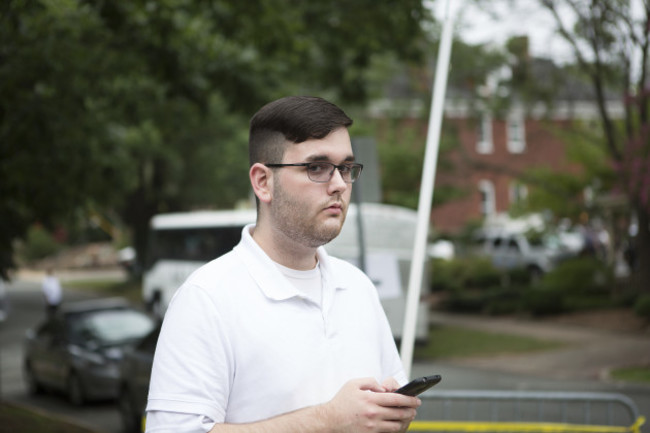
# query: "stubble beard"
[290,218]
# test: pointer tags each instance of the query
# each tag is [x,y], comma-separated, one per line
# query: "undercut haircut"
[293,119]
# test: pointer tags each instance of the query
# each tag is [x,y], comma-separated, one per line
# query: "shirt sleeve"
[173,422]
[193,365]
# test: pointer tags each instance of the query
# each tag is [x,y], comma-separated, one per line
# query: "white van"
[181,242]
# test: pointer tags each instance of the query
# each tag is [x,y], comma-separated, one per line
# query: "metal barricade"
[527,411]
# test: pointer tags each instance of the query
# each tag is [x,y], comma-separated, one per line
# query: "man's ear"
[262,181]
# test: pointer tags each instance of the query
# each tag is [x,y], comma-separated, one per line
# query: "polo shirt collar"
[267,275]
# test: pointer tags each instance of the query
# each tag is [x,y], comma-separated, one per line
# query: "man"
[276,336]
[52,292]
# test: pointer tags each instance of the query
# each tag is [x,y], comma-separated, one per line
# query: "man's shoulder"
[223,267]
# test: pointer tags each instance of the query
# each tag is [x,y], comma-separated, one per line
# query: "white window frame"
[485,143]
[516,133]
[517,192]
[488,204]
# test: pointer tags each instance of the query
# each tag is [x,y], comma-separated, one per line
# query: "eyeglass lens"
[323,171]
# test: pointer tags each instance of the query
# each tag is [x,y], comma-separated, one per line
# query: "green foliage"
[39,244]
[544,301]
[142,107]
[554,191]
[463,273]
[581,283]
[401,151]
[473,285]
[580,276]
[640,374]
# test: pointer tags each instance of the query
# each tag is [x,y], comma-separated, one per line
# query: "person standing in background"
[51,292]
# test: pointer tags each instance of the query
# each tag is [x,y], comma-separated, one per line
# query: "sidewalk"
[593,349]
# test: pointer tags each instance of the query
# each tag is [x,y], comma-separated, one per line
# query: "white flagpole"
[426,192]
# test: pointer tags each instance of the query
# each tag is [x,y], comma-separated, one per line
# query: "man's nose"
[336,183]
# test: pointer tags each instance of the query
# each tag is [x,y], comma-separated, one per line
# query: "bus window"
[193,244]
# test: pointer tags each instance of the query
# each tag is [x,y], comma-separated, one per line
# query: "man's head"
[293,119]
[295,145]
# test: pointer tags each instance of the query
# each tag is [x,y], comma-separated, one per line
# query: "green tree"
[401,135]
[611,48]
[142,106]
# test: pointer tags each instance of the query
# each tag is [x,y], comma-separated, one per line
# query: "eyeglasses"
[322,172]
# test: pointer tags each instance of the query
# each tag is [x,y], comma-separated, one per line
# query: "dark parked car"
[135,372]
[78,349]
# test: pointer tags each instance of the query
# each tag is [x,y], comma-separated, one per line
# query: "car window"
[112,326]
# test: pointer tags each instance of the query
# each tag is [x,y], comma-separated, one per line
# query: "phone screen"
[419,385]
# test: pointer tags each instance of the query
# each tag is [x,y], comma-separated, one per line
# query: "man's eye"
[317,168]
[345,168]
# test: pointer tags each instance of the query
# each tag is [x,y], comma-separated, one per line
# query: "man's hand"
[363,405]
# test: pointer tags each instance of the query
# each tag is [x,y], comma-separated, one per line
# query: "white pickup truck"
[508,250]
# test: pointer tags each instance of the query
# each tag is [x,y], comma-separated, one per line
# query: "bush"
[463,273]
[541,301]
[39,244]
[464,301]
[580,276]
[504,300]
[482,274]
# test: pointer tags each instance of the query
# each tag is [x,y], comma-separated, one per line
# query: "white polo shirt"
[240,343]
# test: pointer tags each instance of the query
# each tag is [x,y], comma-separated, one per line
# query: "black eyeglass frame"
[346,166]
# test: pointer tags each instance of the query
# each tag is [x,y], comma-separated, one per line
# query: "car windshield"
[111,326]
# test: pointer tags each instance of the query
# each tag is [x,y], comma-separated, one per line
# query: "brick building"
[494,154]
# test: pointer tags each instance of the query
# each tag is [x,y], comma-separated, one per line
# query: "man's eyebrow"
[325,158]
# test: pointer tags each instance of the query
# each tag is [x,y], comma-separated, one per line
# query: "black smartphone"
[419,385]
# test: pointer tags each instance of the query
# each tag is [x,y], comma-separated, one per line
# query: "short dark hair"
[291,119]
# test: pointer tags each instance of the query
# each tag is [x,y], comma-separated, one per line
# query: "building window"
[488,198]
[516,133]
[517,193]
[484,143]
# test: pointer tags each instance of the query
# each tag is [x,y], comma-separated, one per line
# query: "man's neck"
[284,250]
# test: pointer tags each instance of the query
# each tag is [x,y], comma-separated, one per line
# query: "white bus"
[181,242]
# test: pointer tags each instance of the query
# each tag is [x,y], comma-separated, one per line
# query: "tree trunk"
[641,271]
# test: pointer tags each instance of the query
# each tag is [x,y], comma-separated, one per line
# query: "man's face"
[308,212]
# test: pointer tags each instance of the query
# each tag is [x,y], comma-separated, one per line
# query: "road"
[544,372]
[26,310]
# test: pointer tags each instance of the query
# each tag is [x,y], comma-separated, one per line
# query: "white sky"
[526,18]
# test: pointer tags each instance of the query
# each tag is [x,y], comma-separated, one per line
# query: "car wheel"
[76,393]
[130,419]
[32,384]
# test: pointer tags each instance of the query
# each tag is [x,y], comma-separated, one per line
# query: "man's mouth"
[335,208]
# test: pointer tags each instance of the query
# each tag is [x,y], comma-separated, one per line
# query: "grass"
[456,342]
[16,419]
[639,374]
[128,289]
